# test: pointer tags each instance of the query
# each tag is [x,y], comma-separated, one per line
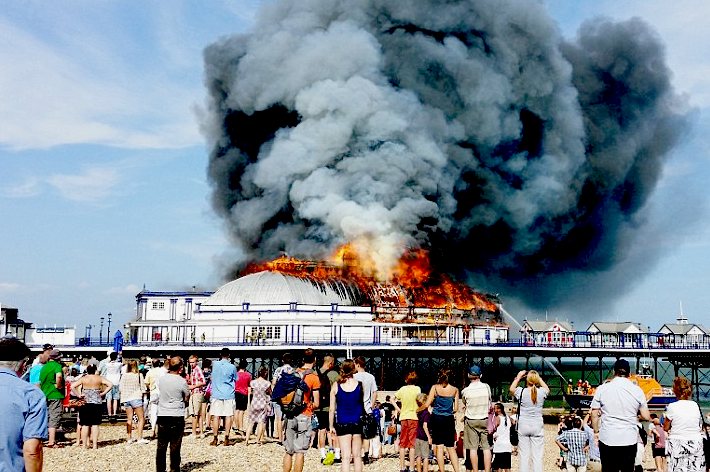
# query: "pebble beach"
[114,454]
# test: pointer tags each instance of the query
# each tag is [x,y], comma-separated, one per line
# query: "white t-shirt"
[113,372]
[619,401]
[528,409]
[369,388]
[685,416]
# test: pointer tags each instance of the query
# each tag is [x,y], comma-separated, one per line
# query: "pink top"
[242,383]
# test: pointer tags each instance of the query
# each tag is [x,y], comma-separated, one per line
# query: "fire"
[410,284]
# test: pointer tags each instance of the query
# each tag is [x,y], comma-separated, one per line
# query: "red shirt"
[242,383]
[313,383]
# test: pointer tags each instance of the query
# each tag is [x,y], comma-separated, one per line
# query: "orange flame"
[411,284]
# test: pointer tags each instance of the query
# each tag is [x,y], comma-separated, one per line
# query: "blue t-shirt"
[34,373]
[23,410]
[224,374]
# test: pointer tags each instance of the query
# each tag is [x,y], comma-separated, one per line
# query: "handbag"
[369,425]
[491,421]
[392,429]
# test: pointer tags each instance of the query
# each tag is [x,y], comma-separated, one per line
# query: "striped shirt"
[576,440]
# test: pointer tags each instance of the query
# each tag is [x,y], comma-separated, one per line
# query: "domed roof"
[272,288]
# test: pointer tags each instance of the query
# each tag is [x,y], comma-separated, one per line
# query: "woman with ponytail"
[530,427]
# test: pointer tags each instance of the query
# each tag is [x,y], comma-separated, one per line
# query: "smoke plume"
[470,128]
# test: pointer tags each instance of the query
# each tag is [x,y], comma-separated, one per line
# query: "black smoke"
[469,128]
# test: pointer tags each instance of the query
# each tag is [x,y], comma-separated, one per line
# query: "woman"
[443,398]
[207,373]
[531,439]
[502,448]
[683,423]
[241,395]
[346,406]
[92,388]
[408,419]
[260,405]
[131,388]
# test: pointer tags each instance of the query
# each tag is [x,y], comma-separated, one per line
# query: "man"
[23,410]
[477,400]
[171,415]
[152,379]
[196,383]
[222,404]
[328,376]
[298,430]
[40,361]
[618,403]
[369,385]
[51,380]
[112,372]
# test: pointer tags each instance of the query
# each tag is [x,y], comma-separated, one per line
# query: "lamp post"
[108,329]
[101,330]
[184,327]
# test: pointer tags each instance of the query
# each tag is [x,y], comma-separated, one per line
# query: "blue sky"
[102,182]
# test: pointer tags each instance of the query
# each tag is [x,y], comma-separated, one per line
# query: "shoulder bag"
[514,430]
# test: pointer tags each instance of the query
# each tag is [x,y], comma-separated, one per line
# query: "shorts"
[114,393]
[443,430]
[54,411]
[195,403]
[241,401]
[408,433]
[341,429]
[421,449]
[221,407]
[276,408]
[133,404]
[90,414]
[323,419]
[658,451]
[297,435]
[501,460]
[475,434]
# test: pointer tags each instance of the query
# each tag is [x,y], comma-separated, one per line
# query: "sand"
[114,454]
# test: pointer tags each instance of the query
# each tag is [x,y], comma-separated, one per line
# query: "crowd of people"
[312,403]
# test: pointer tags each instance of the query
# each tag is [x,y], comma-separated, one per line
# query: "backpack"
[290,392]
[324,391]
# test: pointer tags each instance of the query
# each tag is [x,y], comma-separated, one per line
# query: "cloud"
[91,185]
[130,289]
[6,287]
[51,94]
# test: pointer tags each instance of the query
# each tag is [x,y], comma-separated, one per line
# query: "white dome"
[273,288]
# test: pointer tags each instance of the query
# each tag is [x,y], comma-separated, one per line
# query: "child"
[502,448]
[575,443]
[422,446]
